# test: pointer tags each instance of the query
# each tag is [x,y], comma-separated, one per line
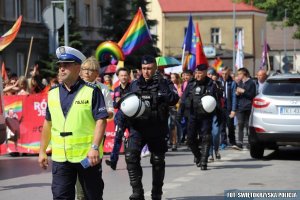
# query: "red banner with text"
[24,117]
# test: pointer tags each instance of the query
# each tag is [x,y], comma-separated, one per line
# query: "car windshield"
[287,87]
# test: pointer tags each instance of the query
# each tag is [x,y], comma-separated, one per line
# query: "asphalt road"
[21,177]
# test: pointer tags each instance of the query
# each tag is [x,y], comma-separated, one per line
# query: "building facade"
[215,19]
[87,13]
[281,44]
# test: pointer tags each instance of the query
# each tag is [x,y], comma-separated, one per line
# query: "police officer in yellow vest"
[75,123]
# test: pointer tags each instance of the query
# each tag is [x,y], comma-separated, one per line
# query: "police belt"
[64,134]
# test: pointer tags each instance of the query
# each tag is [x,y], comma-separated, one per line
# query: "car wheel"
[257,150]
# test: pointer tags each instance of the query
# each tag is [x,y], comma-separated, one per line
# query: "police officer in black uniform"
[151,128]
[200,122]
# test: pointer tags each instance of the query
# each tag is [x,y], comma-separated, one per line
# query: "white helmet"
[208,103]
[132,105]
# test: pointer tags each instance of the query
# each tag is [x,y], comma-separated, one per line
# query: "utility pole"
[233,37]
[66,27]
[284,32]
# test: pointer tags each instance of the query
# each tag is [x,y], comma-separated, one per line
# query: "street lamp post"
[66,28]
[233,37]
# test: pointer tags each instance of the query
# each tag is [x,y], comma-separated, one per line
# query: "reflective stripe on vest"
[79,121]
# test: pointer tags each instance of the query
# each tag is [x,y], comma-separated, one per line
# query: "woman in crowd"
[23,86]
[11,87]
[174,125]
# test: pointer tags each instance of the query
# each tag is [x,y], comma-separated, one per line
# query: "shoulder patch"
[53,87]
[92,85]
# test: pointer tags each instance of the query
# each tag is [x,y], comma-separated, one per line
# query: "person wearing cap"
[200,122]
[151,128]
[121,125]
[75,123]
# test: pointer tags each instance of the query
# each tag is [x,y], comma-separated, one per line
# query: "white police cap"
[69,54]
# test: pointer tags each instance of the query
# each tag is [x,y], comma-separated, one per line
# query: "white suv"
[275,117]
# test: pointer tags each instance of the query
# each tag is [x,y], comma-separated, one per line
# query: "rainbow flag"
[17,106]
[11,34]
[189,62]
[136,35]
[218,64]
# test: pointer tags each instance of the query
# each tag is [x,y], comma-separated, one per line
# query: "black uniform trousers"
[65,176]
[154,135]
[199,129]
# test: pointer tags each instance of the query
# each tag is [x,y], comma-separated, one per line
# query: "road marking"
[183,179]
[171,185]
[195,173]
[176,183]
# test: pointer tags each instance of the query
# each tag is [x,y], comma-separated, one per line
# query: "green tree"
[75,39]
[276,11]
[115,20]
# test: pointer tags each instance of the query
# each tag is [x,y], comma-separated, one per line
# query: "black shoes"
[203,166]
[112,165]
[137,196]
[156,197]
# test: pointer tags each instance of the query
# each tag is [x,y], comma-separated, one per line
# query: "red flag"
[200,56]
[3,72]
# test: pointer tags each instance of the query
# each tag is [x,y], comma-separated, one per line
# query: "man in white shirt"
[261,80]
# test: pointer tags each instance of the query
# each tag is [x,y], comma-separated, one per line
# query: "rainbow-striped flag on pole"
[136,35]
[11,34]
[218,64]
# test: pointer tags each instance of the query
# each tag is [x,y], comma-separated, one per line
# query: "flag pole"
[182,57]
[268,63]
[29,54]
[233,38]
[1,90]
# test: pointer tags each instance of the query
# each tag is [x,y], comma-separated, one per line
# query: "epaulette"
[92,85]
[54,86]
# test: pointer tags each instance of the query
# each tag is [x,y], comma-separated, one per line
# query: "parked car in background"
[275,116]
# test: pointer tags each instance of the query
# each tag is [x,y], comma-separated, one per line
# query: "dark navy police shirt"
[67,97]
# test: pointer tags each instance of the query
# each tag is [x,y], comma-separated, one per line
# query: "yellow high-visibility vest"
[79,125]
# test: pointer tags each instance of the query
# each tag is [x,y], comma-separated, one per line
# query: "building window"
[237,30]
[100,15]
[153,30]
[87,14]
[271,59]
[37,10]
[290,60]
[215,34]
[20,63]
[18,8]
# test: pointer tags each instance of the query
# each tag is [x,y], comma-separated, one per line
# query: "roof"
[190,6]
[275,35]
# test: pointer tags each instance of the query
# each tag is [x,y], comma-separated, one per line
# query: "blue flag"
[190,37]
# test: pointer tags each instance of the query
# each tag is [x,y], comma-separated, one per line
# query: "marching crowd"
[175,113]
[22,85]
